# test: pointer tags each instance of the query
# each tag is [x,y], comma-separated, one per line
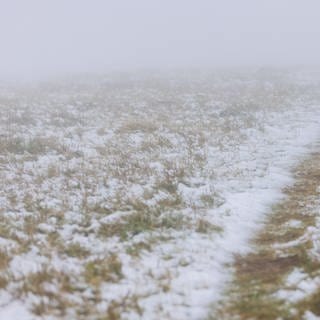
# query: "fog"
[42,38]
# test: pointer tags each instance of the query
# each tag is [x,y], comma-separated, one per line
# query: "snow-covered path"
[280,277]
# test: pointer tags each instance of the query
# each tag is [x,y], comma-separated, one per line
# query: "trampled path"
[280,277]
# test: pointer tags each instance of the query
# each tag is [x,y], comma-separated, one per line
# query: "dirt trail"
[280,278]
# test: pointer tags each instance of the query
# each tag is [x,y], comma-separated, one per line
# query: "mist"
[41,38]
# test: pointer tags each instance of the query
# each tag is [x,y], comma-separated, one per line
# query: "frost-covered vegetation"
[121,196]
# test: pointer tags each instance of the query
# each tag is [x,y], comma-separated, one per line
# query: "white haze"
[42,37]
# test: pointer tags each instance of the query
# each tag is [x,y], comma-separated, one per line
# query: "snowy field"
[125,197]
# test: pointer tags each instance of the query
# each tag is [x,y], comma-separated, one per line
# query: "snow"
[248,160]
[310,316]
[299,287]
[14,310]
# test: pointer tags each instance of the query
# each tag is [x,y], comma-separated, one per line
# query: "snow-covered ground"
[125,198]
[279,278]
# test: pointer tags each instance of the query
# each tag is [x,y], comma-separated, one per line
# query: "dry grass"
[142,222]
[5,258]
[205,226]
[103,270]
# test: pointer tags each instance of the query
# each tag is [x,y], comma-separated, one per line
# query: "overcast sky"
[41,37]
